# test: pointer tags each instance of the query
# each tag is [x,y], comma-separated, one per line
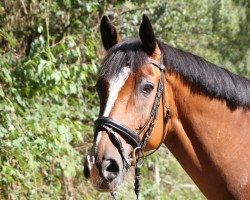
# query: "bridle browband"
[113,127]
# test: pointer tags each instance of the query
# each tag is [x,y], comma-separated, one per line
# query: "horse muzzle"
[106,175]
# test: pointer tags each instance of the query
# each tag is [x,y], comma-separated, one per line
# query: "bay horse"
[151,93]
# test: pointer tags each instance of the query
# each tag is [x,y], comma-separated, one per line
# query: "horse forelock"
[128,53]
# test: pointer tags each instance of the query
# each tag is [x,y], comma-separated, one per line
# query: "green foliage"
[47,104]
[49,57]
[215,30]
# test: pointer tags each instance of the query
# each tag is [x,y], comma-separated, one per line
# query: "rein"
[113,127]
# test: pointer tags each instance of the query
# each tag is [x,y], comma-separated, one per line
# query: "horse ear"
[109,34]
[147,36]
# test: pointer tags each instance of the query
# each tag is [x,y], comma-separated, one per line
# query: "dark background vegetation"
[50,52]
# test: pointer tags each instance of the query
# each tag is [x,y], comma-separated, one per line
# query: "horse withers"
[151,93]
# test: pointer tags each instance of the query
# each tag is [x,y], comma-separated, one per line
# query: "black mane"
[209,78]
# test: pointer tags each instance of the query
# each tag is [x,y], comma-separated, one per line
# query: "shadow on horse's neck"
[210,140]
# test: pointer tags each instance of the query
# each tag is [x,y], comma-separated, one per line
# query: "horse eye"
[147,88]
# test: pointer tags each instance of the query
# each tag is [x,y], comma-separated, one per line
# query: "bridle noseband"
[113,127]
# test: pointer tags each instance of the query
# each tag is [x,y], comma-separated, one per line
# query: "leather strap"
[120,128]
[157,64]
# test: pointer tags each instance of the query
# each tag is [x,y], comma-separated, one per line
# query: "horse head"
[133,105]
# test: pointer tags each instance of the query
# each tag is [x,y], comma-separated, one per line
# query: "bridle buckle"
[137,157]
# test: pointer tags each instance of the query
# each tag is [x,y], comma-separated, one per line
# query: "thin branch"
[185,185]
[131,10]
[157,174]
[61,41]
[24,7]
[166,182]
[116,12]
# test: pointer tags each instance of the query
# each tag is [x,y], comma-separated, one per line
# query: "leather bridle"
[113,127]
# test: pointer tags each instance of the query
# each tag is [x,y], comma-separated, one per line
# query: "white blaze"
[98,139]
[115,85]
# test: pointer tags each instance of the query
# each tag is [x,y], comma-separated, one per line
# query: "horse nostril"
[110,169]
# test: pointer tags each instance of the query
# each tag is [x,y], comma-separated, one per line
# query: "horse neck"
[204,136]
